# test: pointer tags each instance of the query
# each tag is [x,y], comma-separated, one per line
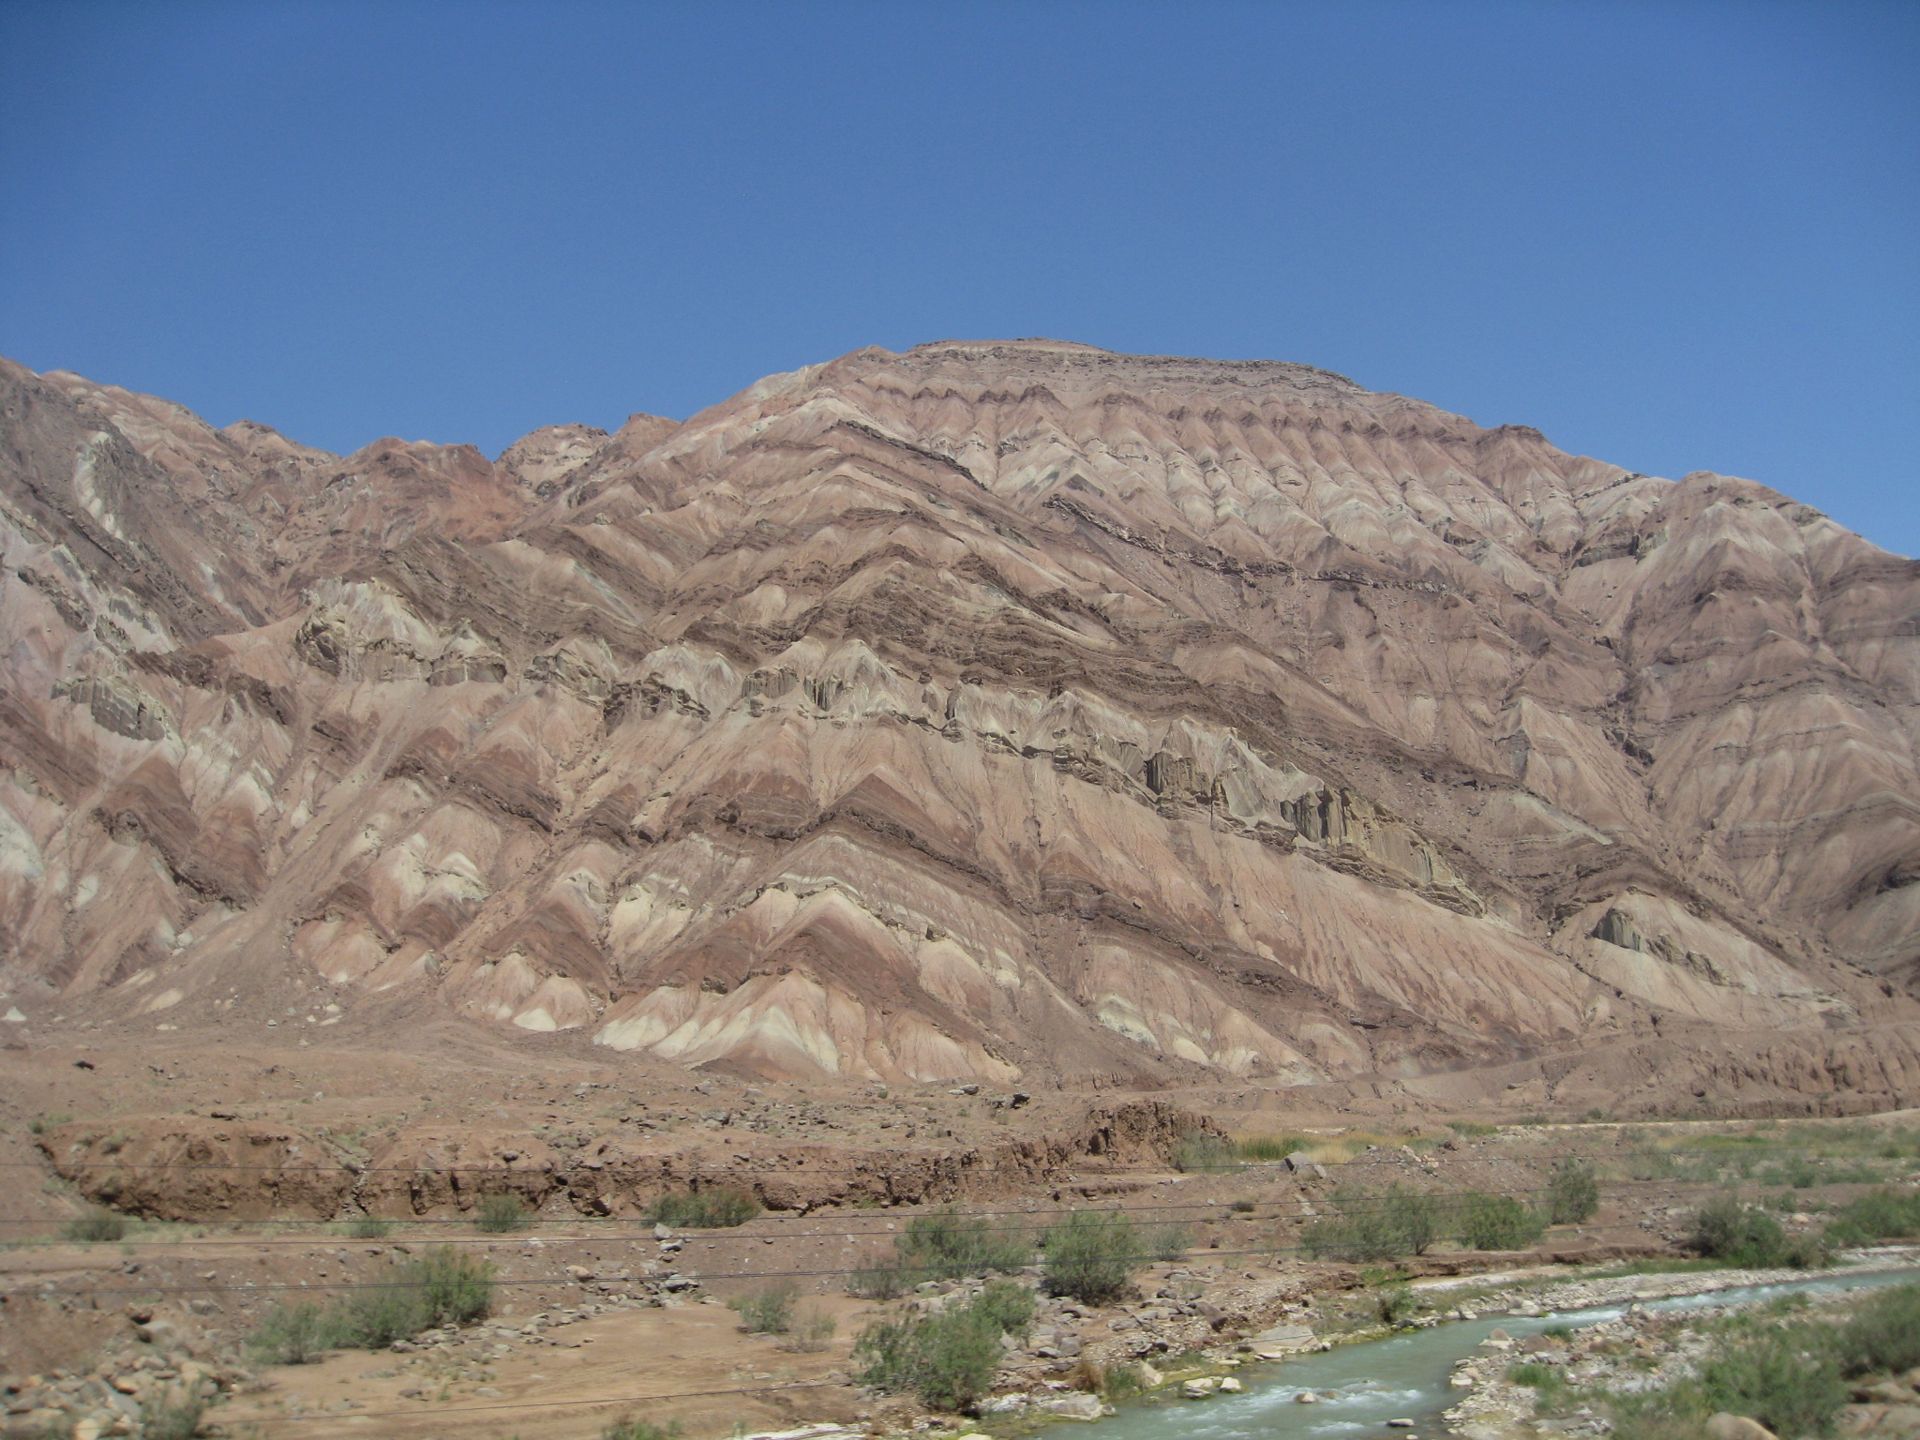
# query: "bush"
[368,1227]
[1396,1304]
[375,1319]
[1091,1256]
[95,1226]
[768,1311]
[1786,1381]
[1883,1335]
[292,1335]
[1367,1226]
[1573,1194]
[1201,1150]
[1498,1222]
[503,1214]
[1747,1236]
[454,1289]
[948,1359]
[948,1246]
[718,1209]
[1122,1382]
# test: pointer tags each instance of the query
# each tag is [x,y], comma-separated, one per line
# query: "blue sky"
[1677,236]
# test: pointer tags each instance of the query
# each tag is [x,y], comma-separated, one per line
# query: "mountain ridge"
[990,709]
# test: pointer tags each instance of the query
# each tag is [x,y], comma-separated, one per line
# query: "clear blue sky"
[1677,236]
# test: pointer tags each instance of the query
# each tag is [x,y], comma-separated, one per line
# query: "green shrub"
[368,1227]
[948,1359]
[1883,1334]
[948,1246]
[454,1289]
[95,1226]
[633,1428]
[1498,1222]
[1724,1229]
[1787,1381]
[292,1335]
[1374,1226]
[1122,1382]
[768,1311]
[1201,1150]
[1573,1193]
[375,1319]
[503,1214]
[720,1208]
[1532,1374]
[1396,1304]
[1091,1256]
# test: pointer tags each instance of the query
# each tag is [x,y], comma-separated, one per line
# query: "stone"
[1736,1427]
[1201,1388]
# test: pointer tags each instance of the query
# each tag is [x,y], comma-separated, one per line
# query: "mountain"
[997,711]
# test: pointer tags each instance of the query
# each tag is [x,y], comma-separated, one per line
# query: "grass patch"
[172,1419]
[720,1208]
[1268,1148]
[1883,1215]
[632,1427]
[368,1227]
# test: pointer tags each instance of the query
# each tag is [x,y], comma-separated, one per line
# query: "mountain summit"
[1004,711]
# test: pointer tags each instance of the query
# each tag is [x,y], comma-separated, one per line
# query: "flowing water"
[1367,1384]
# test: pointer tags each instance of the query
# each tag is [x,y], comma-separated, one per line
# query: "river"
[1368,1383]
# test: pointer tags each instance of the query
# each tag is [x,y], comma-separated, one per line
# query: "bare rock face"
[982,712]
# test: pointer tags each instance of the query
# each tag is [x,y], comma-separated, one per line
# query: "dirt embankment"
[199,1168]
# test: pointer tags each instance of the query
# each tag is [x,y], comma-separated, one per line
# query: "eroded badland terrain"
[999,776]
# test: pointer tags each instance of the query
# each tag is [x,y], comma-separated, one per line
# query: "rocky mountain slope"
[999,711]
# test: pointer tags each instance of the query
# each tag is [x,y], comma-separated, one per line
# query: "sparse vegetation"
[503,1214]
[812,1331]
[95,1226]
[945,1245]
[767,1311]
[1168,1242]
[368,1227]
[1091,1256]
[1368,1225]
[442,1287]
[720,1208]
[949,1358]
